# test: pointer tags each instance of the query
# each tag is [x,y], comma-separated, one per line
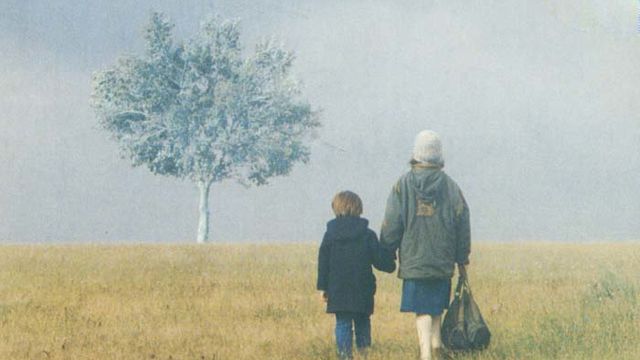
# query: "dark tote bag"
[463,328]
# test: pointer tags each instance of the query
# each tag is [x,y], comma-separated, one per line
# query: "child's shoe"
[363,353]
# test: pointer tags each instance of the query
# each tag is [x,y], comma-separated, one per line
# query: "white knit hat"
[428,148]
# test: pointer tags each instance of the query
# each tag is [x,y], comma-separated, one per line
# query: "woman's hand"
[462,270]
[325,298]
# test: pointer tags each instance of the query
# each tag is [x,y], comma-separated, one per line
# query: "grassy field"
[542,301]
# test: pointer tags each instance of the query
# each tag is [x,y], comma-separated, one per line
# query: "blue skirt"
[425,296]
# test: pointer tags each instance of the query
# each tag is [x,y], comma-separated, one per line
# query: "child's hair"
[346,203]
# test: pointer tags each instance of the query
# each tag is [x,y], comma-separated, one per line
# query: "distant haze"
[537,103]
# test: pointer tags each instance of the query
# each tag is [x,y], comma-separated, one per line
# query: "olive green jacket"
[427,218]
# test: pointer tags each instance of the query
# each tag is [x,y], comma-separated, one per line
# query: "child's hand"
[325,298]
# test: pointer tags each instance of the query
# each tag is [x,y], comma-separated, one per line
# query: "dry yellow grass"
[541,300]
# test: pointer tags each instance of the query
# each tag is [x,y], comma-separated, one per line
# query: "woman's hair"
[414,162]
[346,203]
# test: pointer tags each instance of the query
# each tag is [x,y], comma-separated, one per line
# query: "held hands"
[324,296]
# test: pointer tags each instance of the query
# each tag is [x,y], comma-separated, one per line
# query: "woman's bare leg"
[436,339]
[423,324]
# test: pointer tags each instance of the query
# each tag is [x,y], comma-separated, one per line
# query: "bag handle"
[459,286]
[463,281]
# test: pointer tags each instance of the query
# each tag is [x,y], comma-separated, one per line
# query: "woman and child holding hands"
[426,222]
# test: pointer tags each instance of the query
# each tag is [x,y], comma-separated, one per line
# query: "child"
[348,250]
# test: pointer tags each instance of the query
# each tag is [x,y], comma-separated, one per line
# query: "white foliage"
[201,111]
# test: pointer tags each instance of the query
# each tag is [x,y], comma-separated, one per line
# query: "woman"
[427,219]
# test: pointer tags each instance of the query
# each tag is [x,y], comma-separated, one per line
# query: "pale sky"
[537,103]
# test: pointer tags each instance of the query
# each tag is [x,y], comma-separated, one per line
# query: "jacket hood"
[427,182]
[345,228]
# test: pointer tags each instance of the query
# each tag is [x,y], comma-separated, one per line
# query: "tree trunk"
[203,223]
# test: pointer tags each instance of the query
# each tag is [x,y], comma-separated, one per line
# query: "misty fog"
[537,104]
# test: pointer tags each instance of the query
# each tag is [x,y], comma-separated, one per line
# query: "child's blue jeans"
[345,322]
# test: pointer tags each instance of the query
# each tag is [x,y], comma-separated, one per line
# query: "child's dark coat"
[348,250]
